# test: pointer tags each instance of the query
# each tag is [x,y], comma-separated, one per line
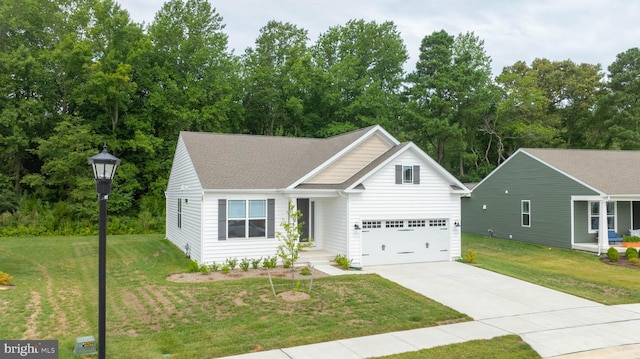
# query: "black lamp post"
[104,168]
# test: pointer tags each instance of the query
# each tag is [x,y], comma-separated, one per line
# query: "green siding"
[523,178]
[624,218]
[581,223]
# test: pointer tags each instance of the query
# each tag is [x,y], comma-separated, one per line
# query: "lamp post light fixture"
[104,167]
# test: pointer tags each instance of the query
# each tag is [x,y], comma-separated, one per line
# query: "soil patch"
[278,272]
[293,297]
[623,262]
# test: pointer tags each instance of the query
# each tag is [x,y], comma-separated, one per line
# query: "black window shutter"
[271,218]
[398,174]
[222,219]
[416,174]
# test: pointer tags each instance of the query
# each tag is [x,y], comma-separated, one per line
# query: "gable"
[523,174]
[398,155]
[352,162]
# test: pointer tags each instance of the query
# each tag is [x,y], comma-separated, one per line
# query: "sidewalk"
[555,324]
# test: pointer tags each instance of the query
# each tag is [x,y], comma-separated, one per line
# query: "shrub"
[204,269]
[305,271]
[270,262]
[630,239]
[631,253]
[232,263]
[214,266]
[244,264]
[194,266]
[471,256]
[225,268]
[613,254]
[342,261]
[635,261]
[5,278]
[255,263]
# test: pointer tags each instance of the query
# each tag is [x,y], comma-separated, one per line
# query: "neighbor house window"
[594,216]
[246,219]
[525,213]
[179,212]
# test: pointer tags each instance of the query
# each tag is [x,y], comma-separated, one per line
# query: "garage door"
[404,241]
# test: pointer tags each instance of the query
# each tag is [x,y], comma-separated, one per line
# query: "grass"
[505,347]
[56,298]
[578,273]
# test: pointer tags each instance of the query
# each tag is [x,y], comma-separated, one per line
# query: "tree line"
[75,74]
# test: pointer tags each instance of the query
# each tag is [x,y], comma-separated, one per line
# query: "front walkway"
[553,323]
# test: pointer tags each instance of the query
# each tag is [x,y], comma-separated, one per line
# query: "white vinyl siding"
[384,200]
[184,204]
[219,250]
[331,224]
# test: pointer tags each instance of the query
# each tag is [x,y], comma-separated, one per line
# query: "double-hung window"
[247,219]
[525,213]
[594,216]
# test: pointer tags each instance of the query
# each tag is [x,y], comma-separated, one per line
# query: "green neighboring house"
[558,197]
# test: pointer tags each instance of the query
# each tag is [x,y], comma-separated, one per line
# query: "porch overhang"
[603,236]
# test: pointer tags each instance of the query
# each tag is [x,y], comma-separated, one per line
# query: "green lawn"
[506,347]
[147,316]
[578,273]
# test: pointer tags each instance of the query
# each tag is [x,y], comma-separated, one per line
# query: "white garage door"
[404,241]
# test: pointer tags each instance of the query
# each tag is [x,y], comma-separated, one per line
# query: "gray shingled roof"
[611,172]
[232,161]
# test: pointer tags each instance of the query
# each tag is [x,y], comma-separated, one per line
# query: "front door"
[303,206]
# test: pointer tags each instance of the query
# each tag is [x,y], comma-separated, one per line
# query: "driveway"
[553,323]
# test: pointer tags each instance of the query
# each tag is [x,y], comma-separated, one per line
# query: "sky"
[584,31]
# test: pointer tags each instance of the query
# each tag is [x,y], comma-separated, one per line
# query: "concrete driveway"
[553,323]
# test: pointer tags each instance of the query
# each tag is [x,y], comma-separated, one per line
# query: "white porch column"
[603,228]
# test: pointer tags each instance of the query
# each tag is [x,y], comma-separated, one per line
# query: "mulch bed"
[623,262]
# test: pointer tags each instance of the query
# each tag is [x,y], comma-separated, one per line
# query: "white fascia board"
[377,129]
[311,193]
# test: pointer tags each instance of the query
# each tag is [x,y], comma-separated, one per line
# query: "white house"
[362,194]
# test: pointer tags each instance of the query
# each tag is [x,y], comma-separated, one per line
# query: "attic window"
[407,174]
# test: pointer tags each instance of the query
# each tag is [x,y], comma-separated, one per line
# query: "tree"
[448,96]
[362,65]
[619,110]
[547,104]
[276,76]
[194,83]
[290,244]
